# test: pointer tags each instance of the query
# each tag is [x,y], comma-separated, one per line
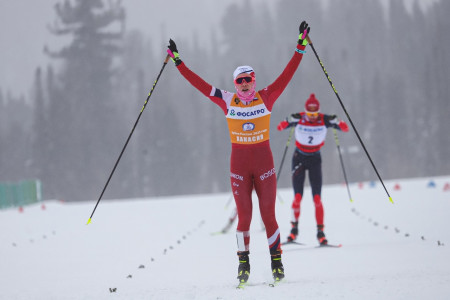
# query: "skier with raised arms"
[247,112]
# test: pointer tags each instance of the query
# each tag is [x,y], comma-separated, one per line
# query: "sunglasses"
[241,79]
[312,114]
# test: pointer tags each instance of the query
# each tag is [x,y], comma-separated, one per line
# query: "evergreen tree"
[437,92]
[40,138]
[3,118]
[16,141]
[86,114]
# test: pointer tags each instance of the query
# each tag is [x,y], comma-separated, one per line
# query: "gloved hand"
[332,119]
[343,126]
[304,30]
[173,52]
[282,125]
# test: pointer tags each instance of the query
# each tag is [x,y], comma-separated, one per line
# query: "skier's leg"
[298,181]
[265,186]
[266,191]
[315,177]
[242,186]
[243,198]
[265,180]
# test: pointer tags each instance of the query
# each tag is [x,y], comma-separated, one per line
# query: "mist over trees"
[390,68]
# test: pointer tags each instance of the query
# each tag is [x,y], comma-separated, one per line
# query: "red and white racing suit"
[251,165]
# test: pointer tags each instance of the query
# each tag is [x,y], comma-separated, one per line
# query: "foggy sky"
[23,30]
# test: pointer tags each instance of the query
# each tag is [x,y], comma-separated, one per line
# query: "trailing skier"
[310,132]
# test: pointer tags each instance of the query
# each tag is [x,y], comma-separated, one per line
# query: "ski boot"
[277,265]
[321,236]
[244,267]
[294,232]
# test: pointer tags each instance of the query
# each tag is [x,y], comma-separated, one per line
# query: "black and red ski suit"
[309,139]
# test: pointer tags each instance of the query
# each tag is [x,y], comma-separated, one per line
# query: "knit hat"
[312,104]
[243,69]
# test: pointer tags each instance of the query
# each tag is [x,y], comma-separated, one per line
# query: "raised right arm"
[215,95]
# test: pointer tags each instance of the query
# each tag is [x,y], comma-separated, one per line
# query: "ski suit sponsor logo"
[248,126]
[248,113]
[236,176]
[312,129]
[252,113]
[248,139]
[267,174]
[294,170]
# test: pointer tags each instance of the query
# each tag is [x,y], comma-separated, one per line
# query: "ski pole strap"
[170,53]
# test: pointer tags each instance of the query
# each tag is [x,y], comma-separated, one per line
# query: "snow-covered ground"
[164,248]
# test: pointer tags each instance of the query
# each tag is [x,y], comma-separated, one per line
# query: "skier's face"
[312,116]
[244,82]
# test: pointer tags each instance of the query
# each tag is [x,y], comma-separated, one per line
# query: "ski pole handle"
[167,57]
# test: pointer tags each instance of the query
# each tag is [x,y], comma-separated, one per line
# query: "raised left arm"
[274,90]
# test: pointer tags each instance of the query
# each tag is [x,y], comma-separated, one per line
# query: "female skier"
[247,112]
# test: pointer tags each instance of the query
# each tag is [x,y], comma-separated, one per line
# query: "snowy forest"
[390,67]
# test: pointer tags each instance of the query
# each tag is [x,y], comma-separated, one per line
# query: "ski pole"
[282,160]
[229,201]
[351,122]
[342,163]
[129,137]
[285,150]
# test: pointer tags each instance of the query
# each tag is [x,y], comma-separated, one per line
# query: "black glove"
[173,52]
[304,30]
